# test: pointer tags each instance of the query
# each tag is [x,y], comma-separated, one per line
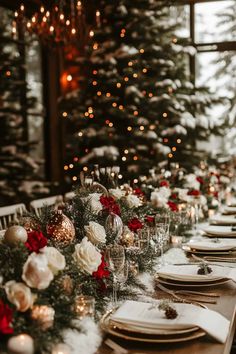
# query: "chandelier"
[62,24]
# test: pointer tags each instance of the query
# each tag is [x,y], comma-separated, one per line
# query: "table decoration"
[21,344]
[15,234]
[84,306]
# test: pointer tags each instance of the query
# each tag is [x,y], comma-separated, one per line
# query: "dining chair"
[37,205]
[9,214]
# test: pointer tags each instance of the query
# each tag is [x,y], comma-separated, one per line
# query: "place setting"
[163,321]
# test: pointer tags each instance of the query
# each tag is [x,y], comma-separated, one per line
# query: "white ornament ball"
[61,348]
[15,234]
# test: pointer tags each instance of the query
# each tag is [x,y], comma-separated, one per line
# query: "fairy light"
[135,75]
[114,104]
[152,127]
[90,109]
[41,9]
[95,46]
[120,176]
[141,51]
[86,114]
[165,140]
[8,73]
[73,31]
[129,129]
[66,168]
[64,114]
[126,78]
[91,116]
[135,113]
[91,33]
[80,134]
[121,107]
[62,17]
[99,93]
[85,168]
[150,94]
[123,158]
[173,148]
[135,180]
[108,94]
[178,141]
[174,40]
[74,178]
[130,63]
[170,155]
[144,70]
[95,83]
[110,124]
[126,151]
[164,115]
[118,85]
[141,127]
[135,158]
[71,165]
[95,72]
[69,78]
[51,29]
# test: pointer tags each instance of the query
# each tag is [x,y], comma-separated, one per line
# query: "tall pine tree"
[136,105]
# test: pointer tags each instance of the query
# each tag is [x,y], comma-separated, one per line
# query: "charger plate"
[175,337]
[181,284]
[208,252]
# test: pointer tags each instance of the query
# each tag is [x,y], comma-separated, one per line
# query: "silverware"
[207,294]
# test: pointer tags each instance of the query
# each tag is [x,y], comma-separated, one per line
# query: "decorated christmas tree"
[18,170]
[136,105]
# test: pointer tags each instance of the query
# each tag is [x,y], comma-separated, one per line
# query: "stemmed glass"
[143,239]
[117,265]
[161,231]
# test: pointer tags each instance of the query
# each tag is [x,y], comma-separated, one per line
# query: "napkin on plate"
[141,314]
[223,220]
[229,210]
[220,231]
[205,244]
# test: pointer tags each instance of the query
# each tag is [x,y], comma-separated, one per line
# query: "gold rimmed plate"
[176,337]
[176,283]
[207,252]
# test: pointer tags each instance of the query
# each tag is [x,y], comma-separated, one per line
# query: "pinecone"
[170,313]
[204,270]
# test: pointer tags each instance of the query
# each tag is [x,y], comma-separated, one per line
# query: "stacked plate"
[208,246]
[220,231]
[229,210]
[218,219]
[144,331]
[187,276]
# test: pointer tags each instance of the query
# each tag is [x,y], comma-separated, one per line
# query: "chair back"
[38,204]
[9,214]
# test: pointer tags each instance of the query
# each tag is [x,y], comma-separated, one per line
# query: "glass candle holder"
[84,306]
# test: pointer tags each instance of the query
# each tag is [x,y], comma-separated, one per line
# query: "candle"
[21,344]
[61,348]
[84,306]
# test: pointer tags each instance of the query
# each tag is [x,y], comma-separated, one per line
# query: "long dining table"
[225,304]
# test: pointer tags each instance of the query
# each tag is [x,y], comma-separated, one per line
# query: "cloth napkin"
[209,245]
[219,231]
[188,272]
[223,220]
[142,314]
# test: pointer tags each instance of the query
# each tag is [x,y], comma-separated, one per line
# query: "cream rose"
[94,202]
[36,272]
[86,256]
[20,295]
[132,201]
[56,261]
[117,193]
[95,232]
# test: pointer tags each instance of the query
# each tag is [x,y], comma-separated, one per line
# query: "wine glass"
[143,239]
[161,230]
[116,264]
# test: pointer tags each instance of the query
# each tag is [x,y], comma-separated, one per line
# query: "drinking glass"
[161,230]
[116,264]
[143,239]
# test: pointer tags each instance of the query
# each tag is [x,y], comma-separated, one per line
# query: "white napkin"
[140,313]
[223,220]
[213,230]
[209,245]
[188,273]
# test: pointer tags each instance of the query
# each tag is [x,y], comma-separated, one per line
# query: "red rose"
[200,180]
[109,204]
[102,271]
[36,240]
[164,183]
[194,192]
[135,224]
[149,219]
[173,206]
[138,192]
[174,196]
[5,318]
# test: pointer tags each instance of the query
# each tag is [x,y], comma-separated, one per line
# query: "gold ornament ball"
[61,229]
[44,315]
[15,234]
[127,238]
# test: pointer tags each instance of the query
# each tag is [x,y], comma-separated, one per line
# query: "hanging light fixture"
[61,24]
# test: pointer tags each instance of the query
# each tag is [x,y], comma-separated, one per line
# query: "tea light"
[84,306]
[21,344]
[176,241]
[61,348]
[133,268]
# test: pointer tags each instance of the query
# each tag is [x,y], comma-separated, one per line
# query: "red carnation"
[200,180]
[36,240]
[138,192]
[149,219]
[173,206]
[5,318]
[174,196]
[164,183]
[109,204]
[102,271]
[135,224]
[194,192]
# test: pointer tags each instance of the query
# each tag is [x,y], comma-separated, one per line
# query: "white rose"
[164,192]
[94,202]
[56,261]
[86,256]
[183,194]
[158,200]
[132,201]
[191,182]
[36,272]
[95,232]
[20,295]
[117,193]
